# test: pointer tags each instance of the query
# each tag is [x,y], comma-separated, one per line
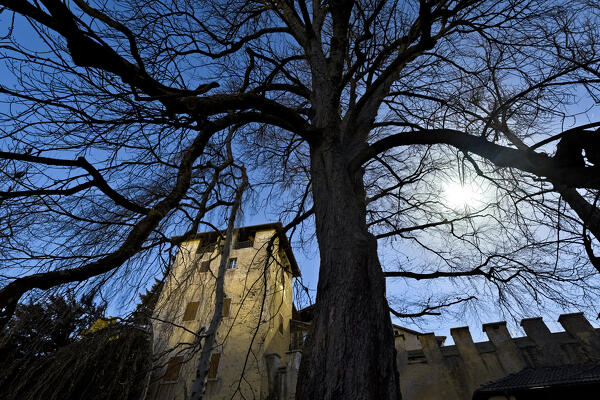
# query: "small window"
[244,240]
[173,368]
[280,322]
[190,311]
[204,266]
[214,365]
[232,264]
[226,306]
[244,244]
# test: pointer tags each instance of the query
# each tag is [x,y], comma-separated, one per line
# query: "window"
[173,368]
[243,245]
[280,321]
[232,264]
[296,341]
[190,311]
[214,365]
[226,306]
[244,240]
[204,266]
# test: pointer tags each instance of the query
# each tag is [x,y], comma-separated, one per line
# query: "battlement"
[443,372]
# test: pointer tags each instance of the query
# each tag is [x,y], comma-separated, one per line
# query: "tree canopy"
[66,349]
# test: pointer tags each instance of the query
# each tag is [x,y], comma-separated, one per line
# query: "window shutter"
[204,266]
[296,340]
[190,311]
[226,306]
[173,368]
[214,365]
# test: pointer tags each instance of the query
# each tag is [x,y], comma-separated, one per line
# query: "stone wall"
[455,372]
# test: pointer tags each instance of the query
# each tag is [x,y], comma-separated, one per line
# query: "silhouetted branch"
[431,310]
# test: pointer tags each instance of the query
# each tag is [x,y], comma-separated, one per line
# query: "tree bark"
[349,352]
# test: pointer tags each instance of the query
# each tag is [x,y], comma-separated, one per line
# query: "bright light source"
[462,195]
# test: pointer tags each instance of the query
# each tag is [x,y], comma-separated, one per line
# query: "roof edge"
[277,226]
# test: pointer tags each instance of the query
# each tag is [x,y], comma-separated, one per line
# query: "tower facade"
[253,339]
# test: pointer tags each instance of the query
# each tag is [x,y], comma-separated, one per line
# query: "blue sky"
[308,258]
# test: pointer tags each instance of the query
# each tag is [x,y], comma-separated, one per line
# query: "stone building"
[540,365]
[253,340]
[260,338]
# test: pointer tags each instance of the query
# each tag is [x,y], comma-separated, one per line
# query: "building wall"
[408,339]
[260,302]
[260,319]
[437,372]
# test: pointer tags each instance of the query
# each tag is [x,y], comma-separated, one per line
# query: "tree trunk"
[349,352]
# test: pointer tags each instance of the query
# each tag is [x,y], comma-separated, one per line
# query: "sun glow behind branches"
[462,195]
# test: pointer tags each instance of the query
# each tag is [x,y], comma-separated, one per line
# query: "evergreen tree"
[68,349]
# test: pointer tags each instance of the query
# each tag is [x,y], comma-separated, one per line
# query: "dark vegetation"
[68,349]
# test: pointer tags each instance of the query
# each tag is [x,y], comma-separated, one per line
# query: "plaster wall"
[259,319]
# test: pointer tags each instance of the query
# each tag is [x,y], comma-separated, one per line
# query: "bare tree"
[360,110]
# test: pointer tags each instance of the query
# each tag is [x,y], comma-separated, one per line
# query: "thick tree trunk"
[349,352]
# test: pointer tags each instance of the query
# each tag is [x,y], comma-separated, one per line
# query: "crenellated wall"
[455,372]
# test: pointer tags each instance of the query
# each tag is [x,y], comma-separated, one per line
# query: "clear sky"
[458,195]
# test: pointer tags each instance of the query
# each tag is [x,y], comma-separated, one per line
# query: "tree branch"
[11,293]
[47,192]
[502,156]
[81,162]
[430,310]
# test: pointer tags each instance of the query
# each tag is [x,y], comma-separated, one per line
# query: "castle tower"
[253,340]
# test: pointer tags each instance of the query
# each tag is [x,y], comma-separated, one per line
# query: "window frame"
[230,262]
